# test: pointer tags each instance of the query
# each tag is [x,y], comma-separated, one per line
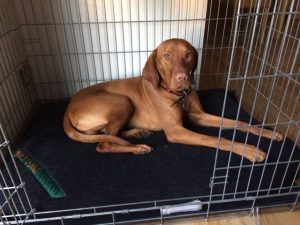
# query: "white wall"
[75,43]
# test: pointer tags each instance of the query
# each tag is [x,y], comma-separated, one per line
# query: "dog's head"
[172,65]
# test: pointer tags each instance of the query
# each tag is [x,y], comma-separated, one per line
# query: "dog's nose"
[181,77]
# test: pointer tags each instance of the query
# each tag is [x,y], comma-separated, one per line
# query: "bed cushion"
[170,171]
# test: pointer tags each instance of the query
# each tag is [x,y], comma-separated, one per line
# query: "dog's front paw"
[278,136]
[267,133]
[142,149]
[253,154]
[249,152]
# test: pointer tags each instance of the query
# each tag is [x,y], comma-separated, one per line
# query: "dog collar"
[181,94]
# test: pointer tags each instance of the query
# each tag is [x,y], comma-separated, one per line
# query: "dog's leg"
[199,117]
[115,148]
[178,134]
[98,118]
[113,129]
[205,119]
[136,133]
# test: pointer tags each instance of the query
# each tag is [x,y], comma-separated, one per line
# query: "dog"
[154,101]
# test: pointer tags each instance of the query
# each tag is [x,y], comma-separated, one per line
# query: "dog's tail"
[76,135]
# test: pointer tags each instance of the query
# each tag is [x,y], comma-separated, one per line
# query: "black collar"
[181,94]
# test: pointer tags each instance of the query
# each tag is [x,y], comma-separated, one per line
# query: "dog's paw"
[266,133]
[143,134]
[278,136]
[142,149]
[249,152]
[253,154]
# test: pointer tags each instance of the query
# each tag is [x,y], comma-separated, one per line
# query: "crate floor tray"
[170,171]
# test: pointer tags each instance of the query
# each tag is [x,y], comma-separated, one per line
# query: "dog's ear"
[195,61]
[150,71]
[195,65]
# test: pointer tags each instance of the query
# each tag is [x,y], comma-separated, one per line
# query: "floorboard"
[276,216]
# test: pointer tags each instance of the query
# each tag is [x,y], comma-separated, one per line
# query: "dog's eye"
[167,56]
[188,55]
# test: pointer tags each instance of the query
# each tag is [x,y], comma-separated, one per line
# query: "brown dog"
[152,102]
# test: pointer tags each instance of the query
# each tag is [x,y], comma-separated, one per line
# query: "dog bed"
[169,171]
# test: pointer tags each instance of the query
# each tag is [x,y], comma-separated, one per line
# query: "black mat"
[170,171]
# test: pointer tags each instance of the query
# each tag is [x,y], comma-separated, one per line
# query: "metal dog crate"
[50,49]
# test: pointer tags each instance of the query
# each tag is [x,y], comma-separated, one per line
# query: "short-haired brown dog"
[154,101]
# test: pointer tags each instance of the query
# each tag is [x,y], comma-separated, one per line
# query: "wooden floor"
[277,216]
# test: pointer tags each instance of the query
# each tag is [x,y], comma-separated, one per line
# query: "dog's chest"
[145,119]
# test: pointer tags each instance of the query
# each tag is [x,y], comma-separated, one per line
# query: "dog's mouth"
[182,90]
[181,93]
